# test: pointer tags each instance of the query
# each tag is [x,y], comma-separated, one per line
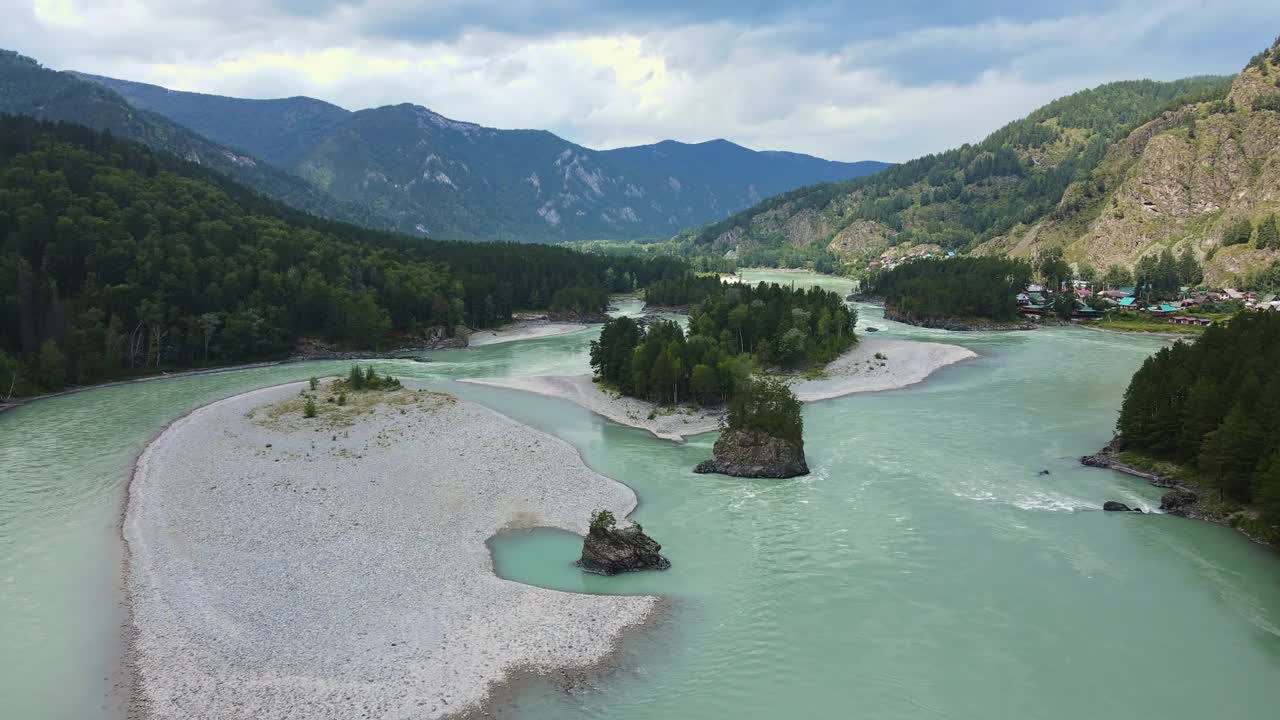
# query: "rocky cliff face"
[1178,181]
[752,453]
[609,550]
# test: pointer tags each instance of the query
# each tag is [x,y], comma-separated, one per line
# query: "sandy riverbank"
[666,424]
[329,568]
[528,330]
[903,363]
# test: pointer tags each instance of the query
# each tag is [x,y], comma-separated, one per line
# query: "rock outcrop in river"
[609,550]
[754,453]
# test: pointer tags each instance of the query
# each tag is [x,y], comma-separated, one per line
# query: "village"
[1125,305]
[1112,305]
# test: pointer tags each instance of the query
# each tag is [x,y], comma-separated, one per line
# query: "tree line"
[732,330]
[116,260]
[1215,406]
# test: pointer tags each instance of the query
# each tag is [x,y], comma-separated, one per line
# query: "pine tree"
[1230,453]
[1203,411]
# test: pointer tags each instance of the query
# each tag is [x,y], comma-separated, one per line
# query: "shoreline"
[857,371]
[20,402]
[523,330]
[552,634]
[1105,459]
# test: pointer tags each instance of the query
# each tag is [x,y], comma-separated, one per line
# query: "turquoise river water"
[925,569]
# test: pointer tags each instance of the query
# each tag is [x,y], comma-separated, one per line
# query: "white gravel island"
[336,567]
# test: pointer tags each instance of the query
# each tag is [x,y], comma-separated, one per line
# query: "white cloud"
[771,86]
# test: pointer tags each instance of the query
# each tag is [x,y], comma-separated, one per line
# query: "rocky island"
[762,437]
[609,549]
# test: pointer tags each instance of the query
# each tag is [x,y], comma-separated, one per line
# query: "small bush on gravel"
[342,398]
[309,410]
[314,382]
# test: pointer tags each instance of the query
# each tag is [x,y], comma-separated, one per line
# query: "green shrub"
[603,520]
[342,398]
[309,410]
[313,382]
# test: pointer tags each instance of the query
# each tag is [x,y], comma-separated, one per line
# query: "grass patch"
[1139,325]
[292,414]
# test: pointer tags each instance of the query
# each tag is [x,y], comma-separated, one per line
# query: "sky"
[842,80]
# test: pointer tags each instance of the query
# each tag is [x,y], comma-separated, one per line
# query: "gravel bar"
[280,567]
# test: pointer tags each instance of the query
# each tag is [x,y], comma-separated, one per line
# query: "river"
[924,569]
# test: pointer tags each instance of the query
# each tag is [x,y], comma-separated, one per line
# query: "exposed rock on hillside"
[1179,181]
[752,453]
[952,199]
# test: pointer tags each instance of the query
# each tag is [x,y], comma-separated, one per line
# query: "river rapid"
[924,569]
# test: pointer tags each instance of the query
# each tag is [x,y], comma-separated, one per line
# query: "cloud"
[824,78]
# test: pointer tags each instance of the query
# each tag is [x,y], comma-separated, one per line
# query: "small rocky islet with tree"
[609,549]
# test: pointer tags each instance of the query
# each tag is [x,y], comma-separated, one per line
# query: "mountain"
[27,88]
[117,259]
[433,175]
[1204,177]
[954,200]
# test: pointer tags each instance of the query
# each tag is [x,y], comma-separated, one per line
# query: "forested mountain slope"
[956,199]
[27,88]
[1204,176]
[432,175]
[115,259]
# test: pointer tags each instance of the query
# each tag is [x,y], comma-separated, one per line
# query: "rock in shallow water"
[752,453]
[1113,506]
[610,550]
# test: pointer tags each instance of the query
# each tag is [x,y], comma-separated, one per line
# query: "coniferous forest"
[731,330]
[1215,406]
[118,260]
[962,288]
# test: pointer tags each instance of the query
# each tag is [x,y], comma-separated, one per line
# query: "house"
[1188,320]
[1128,290]
[1162,309]
[1129,303]
[1083,292]
[1233,294]
[1033,288]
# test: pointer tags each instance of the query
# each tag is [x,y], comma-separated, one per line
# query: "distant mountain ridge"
[432,175]
[27,88]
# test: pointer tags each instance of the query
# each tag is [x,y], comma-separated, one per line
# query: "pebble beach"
[336,567]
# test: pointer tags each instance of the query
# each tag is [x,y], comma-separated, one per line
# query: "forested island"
[956,293]
[732,330]
[118,260]
[1206,415]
